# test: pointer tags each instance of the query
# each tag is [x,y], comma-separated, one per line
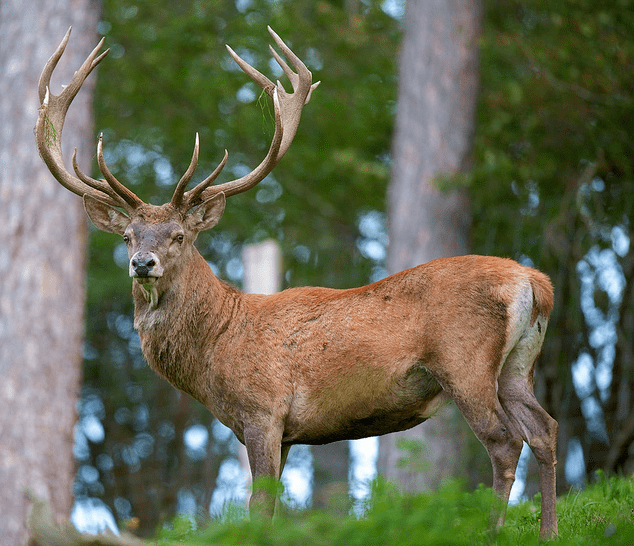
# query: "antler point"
[65,39]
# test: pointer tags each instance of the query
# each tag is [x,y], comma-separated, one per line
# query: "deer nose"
[142,264]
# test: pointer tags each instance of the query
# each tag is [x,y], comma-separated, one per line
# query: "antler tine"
[294,59]
[99,185]
[50,123]
[71,90]
[288,108]
[292,104]
[45,77]
[293,78]
[193,197]
[187,200]
[253,73]
[177,198]
[127,195]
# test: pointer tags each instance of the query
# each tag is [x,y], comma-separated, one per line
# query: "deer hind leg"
[479,404]
[539,430]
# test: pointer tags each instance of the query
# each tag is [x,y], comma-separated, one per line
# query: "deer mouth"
[146,279]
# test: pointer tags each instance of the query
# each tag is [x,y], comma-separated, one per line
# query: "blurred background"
[439,128]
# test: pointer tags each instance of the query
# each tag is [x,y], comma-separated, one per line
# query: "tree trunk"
[434,127]
[43,230]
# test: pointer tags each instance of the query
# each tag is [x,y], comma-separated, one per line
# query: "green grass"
[603,513]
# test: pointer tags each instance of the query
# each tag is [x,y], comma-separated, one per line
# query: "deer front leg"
[264,449]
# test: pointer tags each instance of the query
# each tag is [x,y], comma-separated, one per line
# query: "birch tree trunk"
[43,234]
[438,84]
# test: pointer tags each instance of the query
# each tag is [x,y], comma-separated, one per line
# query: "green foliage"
[415,455]
[602,514]
[391,518]
[556,97]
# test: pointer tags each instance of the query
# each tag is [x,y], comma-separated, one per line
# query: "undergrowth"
[602,513]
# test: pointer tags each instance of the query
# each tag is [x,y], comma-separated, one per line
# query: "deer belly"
[369,410]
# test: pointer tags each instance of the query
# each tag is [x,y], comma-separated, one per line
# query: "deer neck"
[178,333]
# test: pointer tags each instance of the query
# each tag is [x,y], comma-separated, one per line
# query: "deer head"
[159,238]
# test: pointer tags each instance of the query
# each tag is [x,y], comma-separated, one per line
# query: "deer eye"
[179,238]
[126,239]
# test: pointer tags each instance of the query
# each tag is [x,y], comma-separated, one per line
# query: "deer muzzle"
[145,267]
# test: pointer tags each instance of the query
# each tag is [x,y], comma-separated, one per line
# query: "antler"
[48,134]
[288,109]
[193,196]
[52,113]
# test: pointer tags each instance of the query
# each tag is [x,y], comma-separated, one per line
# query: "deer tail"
[543,294]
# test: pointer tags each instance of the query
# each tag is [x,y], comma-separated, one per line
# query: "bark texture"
[438,83]
[42,255]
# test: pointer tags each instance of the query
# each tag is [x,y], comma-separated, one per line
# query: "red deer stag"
[315,365]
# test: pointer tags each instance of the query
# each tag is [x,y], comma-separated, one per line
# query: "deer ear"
[105,217]
[207,214]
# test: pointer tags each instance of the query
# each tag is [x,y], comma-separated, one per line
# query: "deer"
[315,365]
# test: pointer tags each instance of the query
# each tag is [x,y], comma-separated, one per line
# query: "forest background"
[551,185]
